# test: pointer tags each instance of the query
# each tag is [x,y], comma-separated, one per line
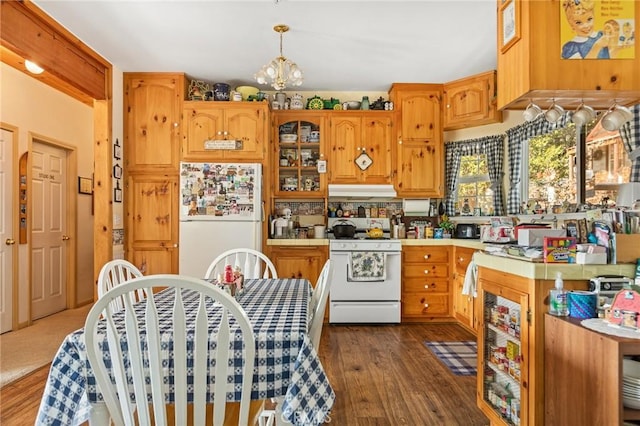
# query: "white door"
[7,239]
[48,230]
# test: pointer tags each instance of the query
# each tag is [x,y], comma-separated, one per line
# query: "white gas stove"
[365,285]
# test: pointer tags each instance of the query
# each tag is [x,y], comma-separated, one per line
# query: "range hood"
[362,191]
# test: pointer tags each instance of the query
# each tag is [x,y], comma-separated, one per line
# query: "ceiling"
[346,45]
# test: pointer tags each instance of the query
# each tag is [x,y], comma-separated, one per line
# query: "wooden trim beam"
[26,32]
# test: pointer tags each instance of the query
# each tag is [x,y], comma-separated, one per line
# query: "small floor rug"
[460,357]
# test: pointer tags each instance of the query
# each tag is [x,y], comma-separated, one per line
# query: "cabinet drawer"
[439,270]
[462,258]
[425,285]
[423,304]
[427,254]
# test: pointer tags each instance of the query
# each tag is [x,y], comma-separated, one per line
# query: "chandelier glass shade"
[280,72]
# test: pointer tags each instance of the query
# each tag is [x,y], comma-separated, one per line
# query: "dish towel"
[471,278]
[367,266]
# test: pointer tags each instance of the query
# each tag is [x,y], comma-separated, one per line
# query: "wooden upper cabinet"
[356,136]
[238,121]
[471,102]
[153,103]
[531,67]
[295,163]
[419,149]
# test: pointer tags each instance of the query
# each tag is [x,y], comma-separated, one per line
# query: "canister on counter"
[428,231]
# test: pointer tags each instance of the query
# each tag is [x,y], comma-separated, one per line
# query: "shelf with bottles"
[502,356]
[503,396]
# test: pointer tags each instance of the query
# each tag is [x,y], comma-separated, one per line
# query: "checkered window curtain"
[517,137]
[493,147]
[630,134]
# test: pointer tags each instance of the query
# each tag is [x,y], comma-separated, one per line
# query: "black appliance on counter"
[470,231]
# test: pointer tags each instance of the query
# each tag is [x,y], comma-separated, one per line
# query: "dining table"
[287,366]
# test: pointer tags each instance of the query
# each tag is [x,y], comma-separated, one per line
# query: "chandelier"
[280,71]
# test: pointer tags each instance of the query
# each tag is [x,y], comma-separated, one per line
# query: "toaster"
[467,231]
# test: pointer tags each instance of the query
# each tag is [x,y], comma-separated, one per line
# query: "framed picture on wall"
[508,24]
[117,171]
[117,152]
[117,195]
[85,185]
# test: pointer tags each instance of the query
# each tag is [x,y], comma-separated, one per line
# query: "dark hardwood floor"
[382,375]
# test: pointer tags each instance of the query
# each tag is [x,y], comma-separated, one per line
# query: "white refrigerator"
[220,209]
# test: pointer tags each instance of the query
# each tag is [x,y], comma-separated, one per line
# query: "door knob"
[10,241]
[65,238]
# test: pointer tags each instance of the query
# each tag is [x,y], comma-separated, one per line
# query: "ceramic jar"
[365,103]
[221,92]
[296,102]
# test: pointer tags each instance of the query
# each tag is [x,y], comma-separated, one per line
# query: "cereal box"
[560,249]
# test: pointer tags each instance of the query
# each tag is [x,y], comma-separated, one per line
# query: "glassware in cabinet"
[503,343]
[300,143]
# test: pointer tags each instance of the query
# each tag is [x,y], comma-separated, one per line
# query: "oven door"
[344,289]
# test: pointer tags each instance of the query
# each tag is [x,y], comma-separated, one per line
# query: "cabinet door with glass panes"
[300,163]
[503,355]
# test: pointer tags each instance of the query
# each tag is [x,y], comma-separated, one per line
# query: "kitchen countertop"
[547,271]
[523,268]
[407,242]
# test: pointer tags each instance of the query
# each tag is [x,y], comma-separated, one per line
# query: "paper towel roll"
[416,207]
[582,304]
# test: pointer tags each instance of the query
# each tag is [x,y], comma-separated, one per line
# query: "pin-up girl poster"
[597,29]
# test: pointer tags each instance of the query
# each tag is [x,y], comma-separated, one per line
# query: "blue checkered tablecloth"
[287,364]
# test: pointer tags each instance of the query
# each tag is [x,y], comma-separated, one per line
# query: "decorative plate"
[316,103]
[363,161]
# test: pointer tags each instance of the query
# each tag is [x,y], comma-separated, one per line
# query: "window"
[474,195]
[550,177]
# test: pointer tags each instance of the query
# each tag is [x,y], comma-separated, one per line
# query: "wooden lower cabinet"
[511,302]
[464,309]
[299,262]
[426,293]
[152,223]
[583,375]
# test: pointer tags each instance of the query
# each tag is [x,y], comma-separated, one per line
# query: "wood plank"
[382,375]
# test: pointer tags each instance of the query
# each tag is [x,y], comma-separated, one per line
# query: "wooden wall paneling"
[532,68]
[102,192]
[30,33]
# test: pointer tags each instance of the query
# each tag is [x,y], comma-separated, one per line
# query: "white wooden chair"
[114,273]
[318,304]
[119,407]
[254,264]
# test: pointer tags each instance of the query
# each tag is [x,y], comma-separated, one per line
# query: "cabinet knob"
[426,286]
[427,256]
[426,305]
[461,260]
[426,271]
[65,238]
[10,241]
[399,141]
